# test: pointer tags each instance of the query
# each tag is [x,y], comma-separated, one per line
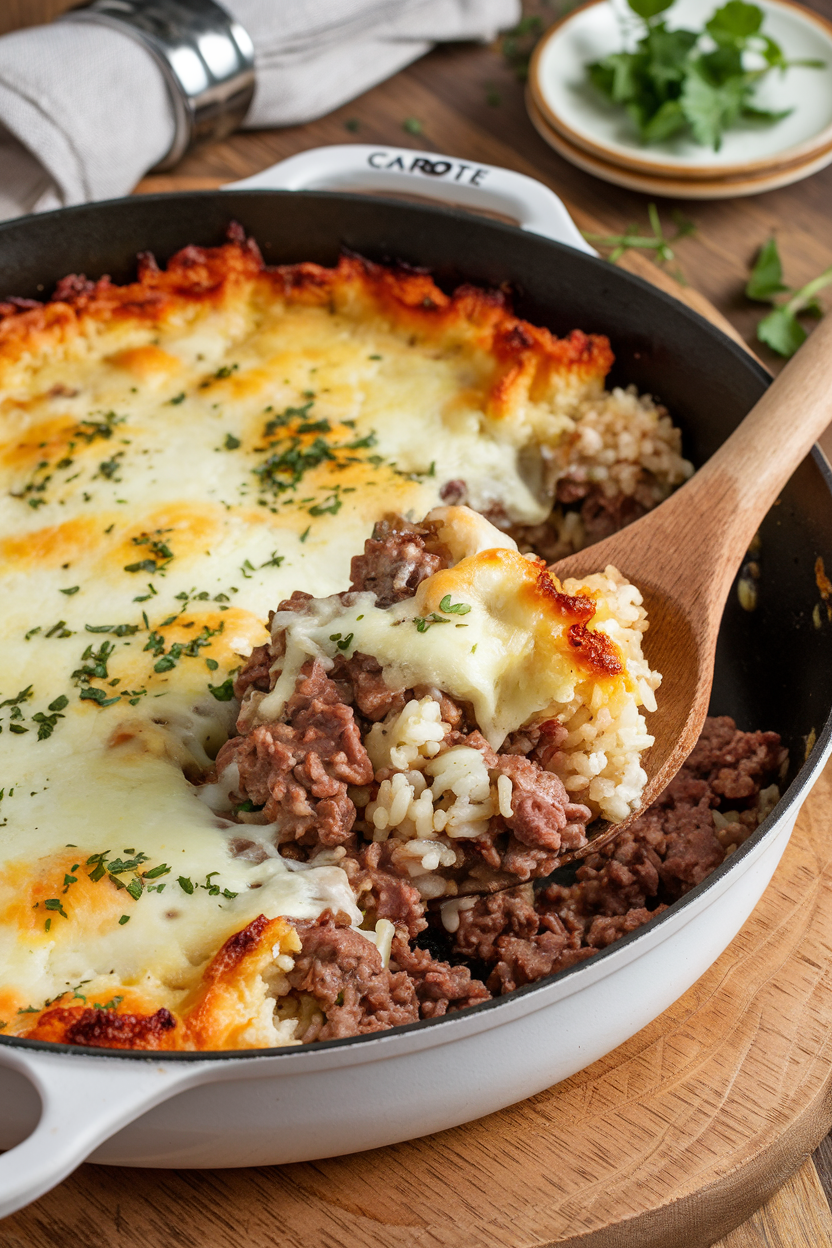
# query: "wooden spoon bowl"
[684,555]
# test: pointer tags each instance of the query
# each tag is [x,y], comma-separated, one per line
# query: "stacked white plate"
[599,137]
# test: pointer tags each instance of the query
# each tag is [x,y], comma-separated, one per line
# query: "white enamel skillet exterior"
[287,1105]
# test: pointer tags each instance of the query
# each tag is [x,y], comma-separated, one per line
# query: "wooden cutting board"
[671,1141]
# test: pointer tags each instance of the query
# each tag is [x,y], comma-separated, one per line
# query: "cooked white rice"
[431,796]
[623,442]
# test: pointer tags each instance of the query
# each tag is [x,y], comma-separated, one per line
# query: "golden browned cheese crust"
[526,357]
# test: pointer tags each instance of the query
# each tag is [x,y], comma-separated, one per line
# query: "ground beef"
[543,824]
[521,936]
[735,764]
[298,771]
[384,894]
[342,970]
[439,986]
[361,683]
[255,673]
[395,561]
[602,514]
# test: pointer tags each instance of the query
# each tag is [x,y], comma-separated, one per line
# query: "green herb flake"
[23,696]
[457,608]
[223,692]
[155,872]
[185,884]
[125,918]
[112,1004]
[72,590]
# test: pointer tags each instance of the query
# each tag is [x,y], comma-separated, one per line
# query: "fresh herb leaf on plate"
[693,80]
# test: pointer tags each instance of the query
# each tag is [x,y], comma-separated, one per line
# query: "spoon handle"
[697,538]
[732,492]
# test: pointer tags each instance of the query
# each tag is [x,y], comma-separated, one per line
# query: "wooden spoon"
[683,556]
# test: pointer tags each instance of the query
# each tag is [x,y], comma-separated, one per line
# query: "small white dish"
[675,187]
[571,105]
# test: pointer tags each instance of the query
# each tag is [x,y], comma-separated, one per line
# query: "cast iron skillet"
[706,380]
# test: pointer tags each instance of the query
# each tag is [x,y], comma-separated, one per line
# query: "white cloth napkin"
[85,112]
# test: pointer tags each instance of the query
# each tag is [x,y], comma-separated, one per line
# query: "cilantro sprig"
[693,80]
[780,329]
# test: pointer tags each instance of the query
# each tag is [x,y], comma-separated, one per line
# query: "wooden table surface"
[470,104]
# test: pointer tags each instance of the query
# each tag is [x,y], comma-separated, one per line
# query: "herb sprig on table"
[657,242]
[694,80]
[780,329]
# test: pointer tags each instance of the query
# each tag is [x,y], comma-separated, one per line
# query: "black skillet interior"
[772,671]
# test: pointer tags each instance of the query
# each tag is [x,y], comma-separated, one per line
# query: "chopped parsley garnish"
[125,918]
[177,398]
[72,590]
[54,903]
[457,608]
[118,630]
[23,696]
[90,430]
[223,692]
[59,630]
[162,554]
[329,507]
[274,561]
[48,723]
[214,890]
[423,623]
[119,865]
[109,467]
[179,649]
[155,872]
[231,443]
[112,1004]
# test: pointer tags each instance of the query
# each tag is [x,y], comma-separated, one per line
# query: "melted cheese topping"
[176,456]
[495,630]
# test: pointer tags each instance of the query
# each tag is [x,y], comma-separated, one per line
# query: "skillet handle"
[361,167]
[84,1100]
